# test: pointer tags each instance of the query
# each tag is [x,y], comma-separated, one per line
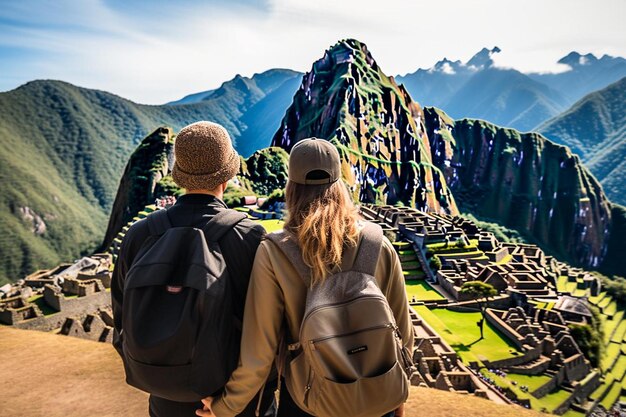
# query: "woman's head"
[321,213]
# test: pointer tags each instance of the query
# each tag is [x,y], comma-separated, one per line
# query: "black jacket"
[238,246]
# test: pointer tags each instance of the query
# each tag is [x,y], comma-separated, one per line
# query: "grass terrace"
[461,332]
[531,381]
[273,225]
[612,395]
[422,291]
[612,351]
[515,381]
[416,274]
[572,413]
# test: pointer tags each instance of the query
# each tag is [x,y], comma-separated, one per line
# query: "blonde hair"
[323,219]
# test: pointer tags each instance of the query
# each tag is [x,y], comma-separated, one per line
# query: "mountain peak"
[483,59]
[574,59]
[447,66]
[377,128]
[347,50]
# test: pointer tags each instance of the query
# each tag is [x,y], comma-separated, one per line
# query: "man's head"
[205,157]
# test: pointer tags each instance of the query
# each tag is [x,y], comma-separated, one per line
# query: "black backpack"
[180,336]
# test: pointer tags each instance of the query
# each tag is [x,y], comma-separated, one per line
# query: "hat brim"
[209,181]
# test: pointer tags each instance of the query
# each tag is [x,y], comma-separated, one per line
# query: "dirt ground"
[43,374]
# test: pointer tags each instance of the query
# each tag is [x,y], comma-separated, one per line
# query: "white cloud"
[162,55]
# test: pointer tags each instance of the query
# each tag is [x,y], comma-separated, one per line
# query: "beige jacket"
[275,293]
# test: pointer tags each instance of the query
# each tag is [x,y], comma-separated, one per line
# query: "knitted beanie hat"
[205,157]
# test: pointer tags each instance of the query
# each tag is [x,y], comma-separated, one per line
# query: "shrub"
[435,262]
[276,196]
[589,340]
[615,287]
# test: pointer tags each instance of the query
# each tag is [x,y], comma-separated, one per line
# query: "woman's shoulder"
[387,246]
[270,246]
[387,250]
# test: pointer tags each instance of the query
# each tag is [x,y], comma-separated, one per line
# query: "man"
[205,161]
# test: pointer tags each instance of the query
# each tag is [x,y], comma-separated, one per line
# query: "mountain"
[66,146]
[65,150]
[595,129]
[526,182]
[584,74]
[266,82]
[147,176]
[263,118]
[143,181]
[435,86]
[478,89]
[379,131]
[506,98]
[522,181]
[268,95]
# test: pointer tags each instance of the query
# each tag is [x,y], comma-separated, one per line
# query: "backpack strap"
[287,244]
[158,222]
[221,223]
[369,249]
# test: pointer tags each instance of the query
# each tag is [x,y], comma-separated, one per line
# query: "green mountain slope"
[595,128]
[65,150]
[525,182]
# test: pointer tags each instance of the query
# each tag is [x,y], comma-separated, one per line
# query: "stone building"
[45,299]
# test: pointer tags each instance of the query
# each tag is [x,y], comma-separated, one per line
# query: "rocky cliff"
[378,129]
[525,182]
[144,179]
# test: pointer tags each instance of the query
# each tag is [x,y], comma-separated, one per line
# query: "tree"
[435,263]
[481,292]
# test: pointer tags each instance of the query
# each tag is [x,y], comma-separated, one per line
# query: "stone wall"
[66,308]
[505,329]
[91,327]
[579,394]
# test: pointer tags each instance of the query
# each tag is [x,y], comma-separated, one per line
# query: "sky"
[155,51]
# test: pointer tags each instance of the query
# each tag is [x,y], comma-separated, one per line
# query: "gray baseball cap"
[311,157]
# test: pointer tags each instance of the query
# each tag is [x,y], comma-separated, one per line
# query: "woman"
[325,225]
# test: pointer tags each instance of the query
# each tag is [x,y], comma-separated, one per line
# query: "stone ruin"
[525,277]
[70,297]
[548,349]
[520,272]
[438,365]
[96,326]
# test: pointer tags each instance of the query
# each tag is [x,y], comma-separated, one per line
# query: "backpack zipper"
[332,305]
[380,326]
[307,388]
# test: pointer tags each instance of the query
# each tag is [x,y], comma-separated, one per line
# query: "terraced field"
[514,382]
[461,332]
[613,362]
[422,291]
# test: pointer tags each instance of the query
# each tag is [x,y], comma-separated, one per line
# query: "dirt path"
[43,374]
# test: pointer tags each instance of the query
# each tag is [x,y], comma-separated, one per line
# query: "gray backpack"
[349,361]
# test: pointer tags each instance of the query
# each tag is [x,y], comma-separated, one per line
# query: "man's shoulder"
[247,229]
[138,231]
